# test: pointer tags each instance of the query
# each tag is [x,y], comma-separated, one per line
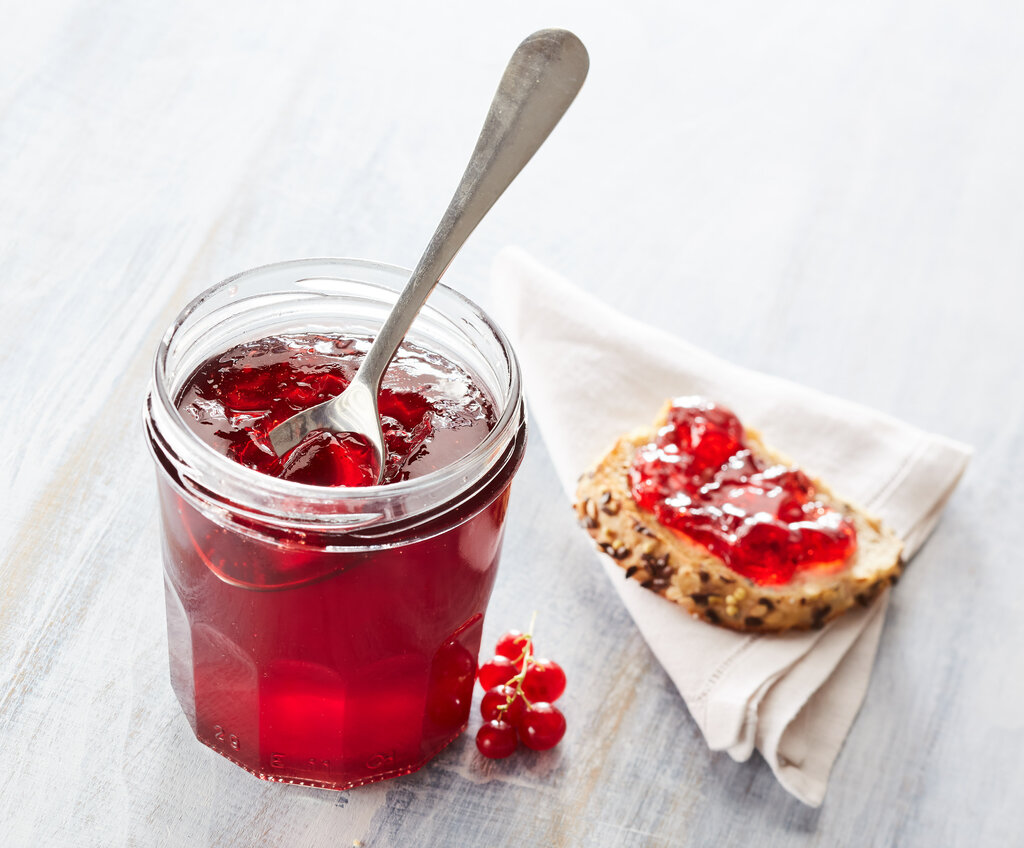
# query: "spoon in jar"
[541,80]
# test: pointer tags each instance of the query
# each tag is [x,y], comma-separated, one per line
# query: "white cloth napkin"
[791,696]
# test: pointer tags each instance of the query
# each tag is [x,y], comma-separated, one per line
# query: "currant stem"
[528,639]
[526,656]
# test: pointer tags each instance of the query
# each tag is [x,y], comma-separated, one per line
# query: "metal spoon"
[541,80]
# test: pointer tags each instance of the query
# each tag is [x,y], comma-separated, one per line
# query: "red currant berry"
[544,681]
[502,696]
[496,740]
[512,644]
[496,671]
[541,727]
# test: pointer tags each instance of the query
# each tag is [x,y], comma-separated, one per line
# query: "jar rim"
[321,504]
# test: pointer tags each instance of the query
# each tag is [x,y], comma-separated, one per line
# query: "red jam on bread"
[699,478]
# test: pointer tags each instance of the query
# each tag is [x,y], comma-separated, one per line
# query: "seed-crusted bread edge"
[682,571]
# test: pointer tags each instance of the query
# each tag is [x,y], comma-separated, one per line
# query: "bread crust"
[686,573]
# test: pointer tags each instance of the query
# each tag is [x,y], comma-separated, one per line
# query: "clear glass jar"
[328,636]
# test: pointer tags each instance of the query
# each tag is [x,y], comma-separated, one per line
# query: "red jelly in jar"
[432,411]
[323,631]
[765,521]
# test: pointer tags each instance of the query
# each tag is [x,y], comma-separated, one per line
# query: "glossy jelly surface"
[331,658]
[765,522]
[432,411]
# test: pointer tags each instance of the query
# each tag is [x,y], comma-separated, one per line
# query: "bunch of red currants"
[517,704]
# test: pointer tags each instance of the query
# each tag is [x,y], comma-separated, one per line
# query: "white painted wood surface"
[830,193]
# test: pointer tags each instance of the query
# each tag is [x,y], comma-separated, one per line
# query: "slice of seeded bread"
[683,571]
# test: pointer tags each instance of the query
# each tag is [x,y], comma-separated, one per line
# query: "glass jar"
[328,636]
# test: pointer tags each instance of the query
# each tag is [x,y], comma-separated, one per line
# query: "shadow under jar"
[320,635]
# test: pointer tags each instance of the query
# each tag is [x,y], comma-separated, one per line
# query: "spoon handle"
[541,80]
